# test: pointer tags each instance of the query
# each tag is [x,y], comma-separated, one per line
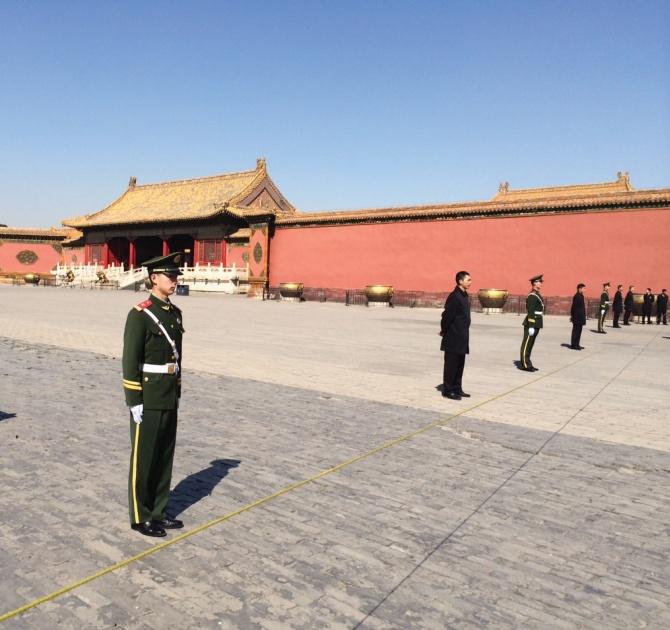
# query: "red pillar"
[105,255]
[196,252]
[132,255]
[166,247]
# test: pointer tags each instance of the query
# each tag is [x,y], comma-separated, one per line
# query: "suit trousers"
[527,346]
[153,442]
[617,314]
[454,363]
[662,316]
[626,315]
[576,335]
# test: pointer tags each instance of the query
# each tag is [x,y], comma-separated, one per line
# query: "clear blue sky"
[353,104]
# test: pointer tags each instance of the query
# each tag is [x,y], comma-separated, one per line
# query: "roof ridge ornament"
[260,164]
[503,187]
[132,182]
[623,177]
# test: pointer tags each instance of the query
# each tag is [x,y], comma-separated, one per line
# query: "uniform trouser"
[527,346]
[576,335]
[453,372]
[662,317]
[626,315]
[617,314]
[601,320]
[153,442]
[646,314]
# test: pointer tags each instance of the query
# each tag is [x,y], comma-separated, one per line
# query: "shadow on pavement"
[6,416]
[198,485]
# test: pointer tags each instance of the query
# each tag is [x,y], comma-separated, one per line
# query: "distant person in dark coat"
[617,306]
[647,306]
[628,305]
[577,317]
[455,332]
[662,307]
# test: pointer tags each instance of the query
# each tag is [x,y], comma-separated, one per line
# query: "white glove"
[531,332]
[136,411]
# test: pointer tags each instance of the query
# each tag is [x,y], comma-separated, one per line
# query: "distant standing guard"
[455,332]
[152,344]
[604,307]
[617,306]
[647,305]
[628,304]
[662,307]
[532,324]
[577,317]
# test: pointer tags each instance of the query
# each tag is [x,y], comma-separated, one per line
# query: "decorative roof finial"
[132,182]
[504,187]
[260,164]
[622,177]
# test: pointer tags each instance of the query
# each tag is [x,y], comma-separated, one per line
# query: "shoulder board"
[142,305]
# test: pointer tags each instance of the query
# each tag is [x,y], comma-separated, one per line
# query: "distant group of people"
[455,324]
[625,305]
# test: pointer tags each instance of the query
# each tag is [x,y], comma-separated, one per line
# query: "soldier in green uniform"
[604,307]
[532,323]
[152,385]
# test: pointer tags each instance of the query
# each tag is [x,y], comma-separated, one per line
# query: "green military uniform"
[152,345]
[533,321]
[603,308]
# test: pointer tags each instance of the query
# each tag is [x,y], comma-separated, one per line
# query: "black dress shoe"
[462,394]
[148,529]
[580,347]
[451,396]
[168,523]
[574,348]
[525,369]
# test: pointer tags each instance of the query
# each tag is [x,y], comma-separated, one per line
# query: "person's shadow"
[198,485]
[6,416]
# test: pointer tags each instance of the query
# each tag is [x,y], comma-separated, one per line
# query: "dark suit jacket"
[617,305]
[661,303]
[455,325]
[578,310]
[647,303]
[629,301]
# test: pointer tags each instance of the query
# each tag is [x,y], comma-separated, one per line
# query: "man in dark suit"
[662,307]
[577,317]
[628,305]
[617,306]
[455,332]
[647,305]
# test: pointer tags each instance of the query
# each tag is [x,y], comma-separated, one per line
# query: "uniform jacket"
[604,301]
[661,303]
[144,342]
[534,311]
[578,309]
[648,301]
[455,324]
[629,301]
[617,304]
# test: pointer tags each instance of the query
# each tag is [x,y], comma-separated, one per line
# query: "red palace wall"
[629,247]
[47,257]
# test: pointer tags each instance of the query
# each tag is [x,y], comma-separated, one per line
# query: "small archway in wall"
[147,247]
[183,243]
[119,251]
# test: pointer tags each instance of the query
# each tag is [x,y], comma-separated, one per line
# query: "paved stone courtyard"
[542,501]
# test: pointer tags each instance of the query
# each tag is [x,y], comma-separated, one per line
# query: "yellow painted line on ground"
[290,488]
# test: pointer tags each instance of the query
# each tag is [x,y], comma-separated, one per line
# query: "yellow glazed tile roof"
[527,201]
[188,199]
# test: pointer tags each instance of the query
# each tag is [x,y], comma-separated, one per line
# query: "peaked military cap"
[606,284]
[165,264]
[537,278]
